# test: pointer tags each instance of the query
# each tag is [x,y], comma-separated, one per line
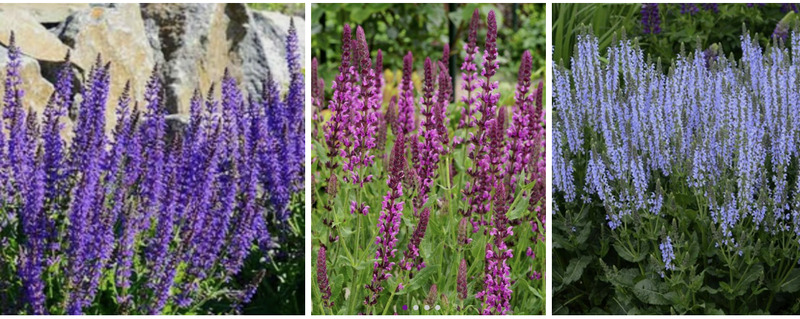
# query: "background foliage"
[296,9]
[704,28]
[423,29]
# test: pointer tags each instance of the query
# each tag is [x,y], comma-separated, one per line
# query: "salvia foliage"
[676,187]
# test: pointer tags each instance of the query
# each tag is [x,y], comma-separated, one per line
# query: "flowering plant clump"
[423,205]
[142,221]
[676,188]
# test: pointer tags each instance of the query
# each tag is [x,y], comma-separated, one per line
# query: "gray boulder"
[197,42]
[117,33]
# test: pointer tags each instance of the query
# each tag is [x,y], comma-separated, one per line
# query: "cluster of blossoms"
[724,129]
[651,19]
[667,254]
[159,212]
[505,152]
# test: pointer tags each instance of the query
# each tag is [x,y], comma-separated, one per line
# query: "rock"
[117,32]
[32,37]
[194,43]
[198,41]
[47,13]
[176,125]
[264,49]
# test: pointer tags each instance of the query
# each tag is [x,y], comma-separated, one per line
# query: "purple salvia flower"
[476,192]
[651,20]
[51,132]
[405,105]
[88,228]
[295,103]
[383,127]
[689,8]
[34,222]
[364,116]
[153,130]
[488,97]
[317,89]
[433,294]
[538,167]
[336,132]
[461,281]
[129,216]
[469,75]
[379,81]
[194,231]
[90,126]
[256,138]
[14,117]
[160,260]
[411,258]
[496,294]
[390,116]
[430,148]
[440,108]
[243,234]
[322,277]
[275,151]
[786,7]
[519,132]
[79,235]
[388,223]
[713,7]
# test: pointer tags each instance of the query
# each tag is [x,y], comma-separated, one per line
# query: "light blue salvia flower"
[667,254]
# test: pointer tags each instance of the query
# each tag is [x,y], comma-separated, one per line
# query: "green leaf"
[752,275]
[520,210]
[649,292]
[792,283]
[627,254]
[575,269]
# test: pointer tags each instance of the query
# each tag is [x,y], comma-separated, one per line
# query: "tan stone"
[32,38]
[47,12]
[118,34]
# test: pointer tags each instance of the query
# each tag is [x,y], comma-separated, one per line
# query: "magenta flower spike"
[322,276]
[405,105]
[388,223]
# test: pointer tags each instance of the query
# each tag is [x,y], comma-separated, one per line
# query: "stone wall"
[191,44]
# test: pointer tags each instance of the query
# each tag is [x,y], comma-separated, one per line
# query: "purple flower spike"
[431,148]
[651,19]
[411,258]
[496,294]
[295,104]
[322,277]
[388,223]
[405,105]
[469,75]
[461,281]
[519,131]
